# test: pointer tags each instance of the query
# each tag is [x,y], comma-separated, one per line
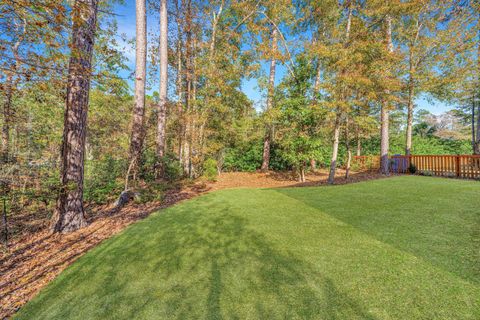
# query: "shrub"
[172,167]
[210,169]
[103,179]
[412,168]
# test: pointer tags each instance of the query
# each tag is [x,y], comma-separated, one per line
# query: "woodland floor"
[401,248]
[35,256]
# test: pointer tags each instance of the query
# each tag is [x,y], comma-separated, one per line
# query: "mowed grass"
[399,248]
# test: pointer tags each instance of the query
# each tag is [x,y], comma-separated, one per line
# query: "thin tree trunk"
[188,92]
[301,173]
[270,95]
[336,130]
[408,144]
[136,140]
[336,138]
[7,105]
[179,82]
[5,222]
[359,141]
[477,142]
[477,95]
[162,105]
[384,114]
[69,214]
[349,151]
[316,89]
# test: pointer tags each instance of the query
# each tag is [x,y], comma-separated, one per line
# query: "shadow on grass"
[189,264]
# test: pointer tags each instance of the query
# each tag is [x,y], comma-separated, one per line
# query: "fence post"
[457,164]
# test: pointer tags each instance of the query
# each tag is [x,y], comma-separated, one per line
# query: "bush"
[210,169]
[173,169]
[246,158]
[412,168]
[103,179]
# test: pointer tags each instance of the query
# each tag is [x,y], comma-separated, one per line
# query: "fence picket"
[461,166]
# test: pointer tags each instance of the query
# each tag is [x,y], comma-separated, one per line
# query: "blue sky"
[126,25]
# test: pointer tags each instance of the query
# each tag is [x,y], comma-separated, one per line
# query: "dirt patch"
[36,257]
[285,179]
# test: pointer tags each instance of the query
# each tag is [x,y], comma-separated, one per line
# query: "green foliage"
[210,169]
[103,179]
[172,168]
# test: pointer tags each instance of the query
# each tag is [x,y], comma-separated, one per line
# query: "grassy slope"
[390,249]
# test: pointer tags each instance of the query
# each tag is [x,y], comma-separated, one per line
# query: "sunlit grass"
[400,248]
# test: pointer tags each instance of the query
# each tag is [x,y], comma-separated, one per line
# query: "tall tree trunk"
[316,89]
[162,104]
[7,105]
[69,214]
[408,143]
[179,81]
[336,138]
[136,140]
[477,95]
[188,91]
[338,118]
[270,95]
[384,113]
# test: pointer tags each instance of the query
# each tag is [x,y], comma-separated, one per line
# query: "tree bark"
[338,118]
[136,140]
[384,114]
[349,151]
[188,90]
[359,141]
[69,213]
[179,81]
[477,95]
[7,105]
[316,89]
[162,105]
[270,95]
[408,143]
[336,138]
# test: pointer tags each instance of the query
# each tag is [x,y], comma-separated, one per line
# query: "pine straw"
[35,258]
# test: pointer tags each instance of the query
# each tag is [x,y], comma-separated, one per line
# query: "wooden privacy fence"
[460,166]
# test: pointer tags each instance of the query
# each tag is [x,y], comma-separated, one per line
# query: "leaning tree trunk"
[136,140]
[338,118]
[162,106]
[384,114]
[271,89]
[69,213]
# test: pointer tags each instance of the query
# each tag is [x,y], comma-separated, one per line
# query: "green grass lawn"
[400,248]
